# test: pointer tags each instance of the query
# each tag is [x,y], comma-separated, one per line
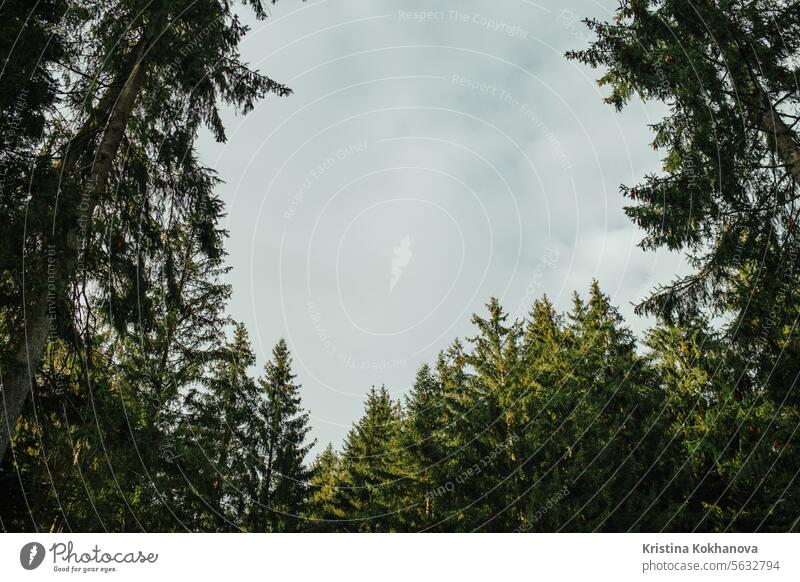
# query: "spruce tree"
[284,489]
[545,379]
[129,74]
[371,471]
[323,510]
[220,449]
[727,197]
[451,492]
[604,391]
[426,440]
[496,420]
[728,193]
[735,467]
[110,429]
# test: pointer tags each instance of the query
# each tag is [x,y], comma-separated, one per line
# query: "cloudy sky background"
[421,167]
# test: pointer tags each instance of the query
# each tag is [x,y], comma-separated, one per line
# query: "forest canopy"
[129,397]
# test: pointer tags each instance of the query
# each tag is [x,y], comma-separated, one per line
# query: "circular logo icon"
[31,555]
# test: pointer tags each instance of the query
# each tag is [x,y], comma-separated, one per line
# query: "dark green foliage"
[284,488]
[428,443]
[140,412]
[323,511]
[221,440]
[117,222]
[728,195]
[106,175]
[562,423]
[371,466]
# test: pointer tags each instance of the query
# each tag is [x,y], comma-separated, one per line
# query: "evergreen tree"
[370,468]
[590,413]
[323,508]
[171,351]
[284,489]
[495,420]
[131,73]
[426,442]
[735,466]
[729,190]
[611,415]
[451,491]
[546,377]
[128,410]
[221,446]
[728,198]
[114,421]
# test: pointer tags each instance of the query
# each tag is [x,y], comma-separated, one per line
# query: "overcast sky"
[430,158]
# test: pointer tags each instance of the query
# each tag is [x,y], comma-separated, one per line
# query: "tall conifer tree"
[284,490]
[371,472]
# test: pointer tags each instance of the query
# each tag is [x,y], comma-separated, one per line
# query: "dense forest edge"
[128,397]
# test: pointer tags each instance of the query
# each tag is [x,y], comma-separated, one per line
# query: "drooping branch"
[110,117]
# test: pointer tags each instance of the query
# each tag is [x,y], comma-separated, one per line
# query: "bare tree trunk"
[114,109]
[756,99]
[15,388]
[775,130]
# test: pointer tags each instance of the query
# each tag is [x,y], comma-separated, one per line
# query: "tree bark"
[114,110]
[756,99]
[775,130]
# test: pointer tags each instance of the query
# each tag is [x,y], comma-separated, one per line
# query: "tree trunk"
[775,130]
[114,110]
[756,99]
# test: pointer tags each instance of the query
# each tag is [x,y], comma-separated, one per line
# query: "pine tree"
[734,445]
[546,377]
[451,491]
[323,508]
[608,379]
[371,471]
[110,429]
[284,489]
[496,419]
[587,415]
[129,74]
[220,449]
[727,198]
[425,439]
[176,347]
[728,194]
